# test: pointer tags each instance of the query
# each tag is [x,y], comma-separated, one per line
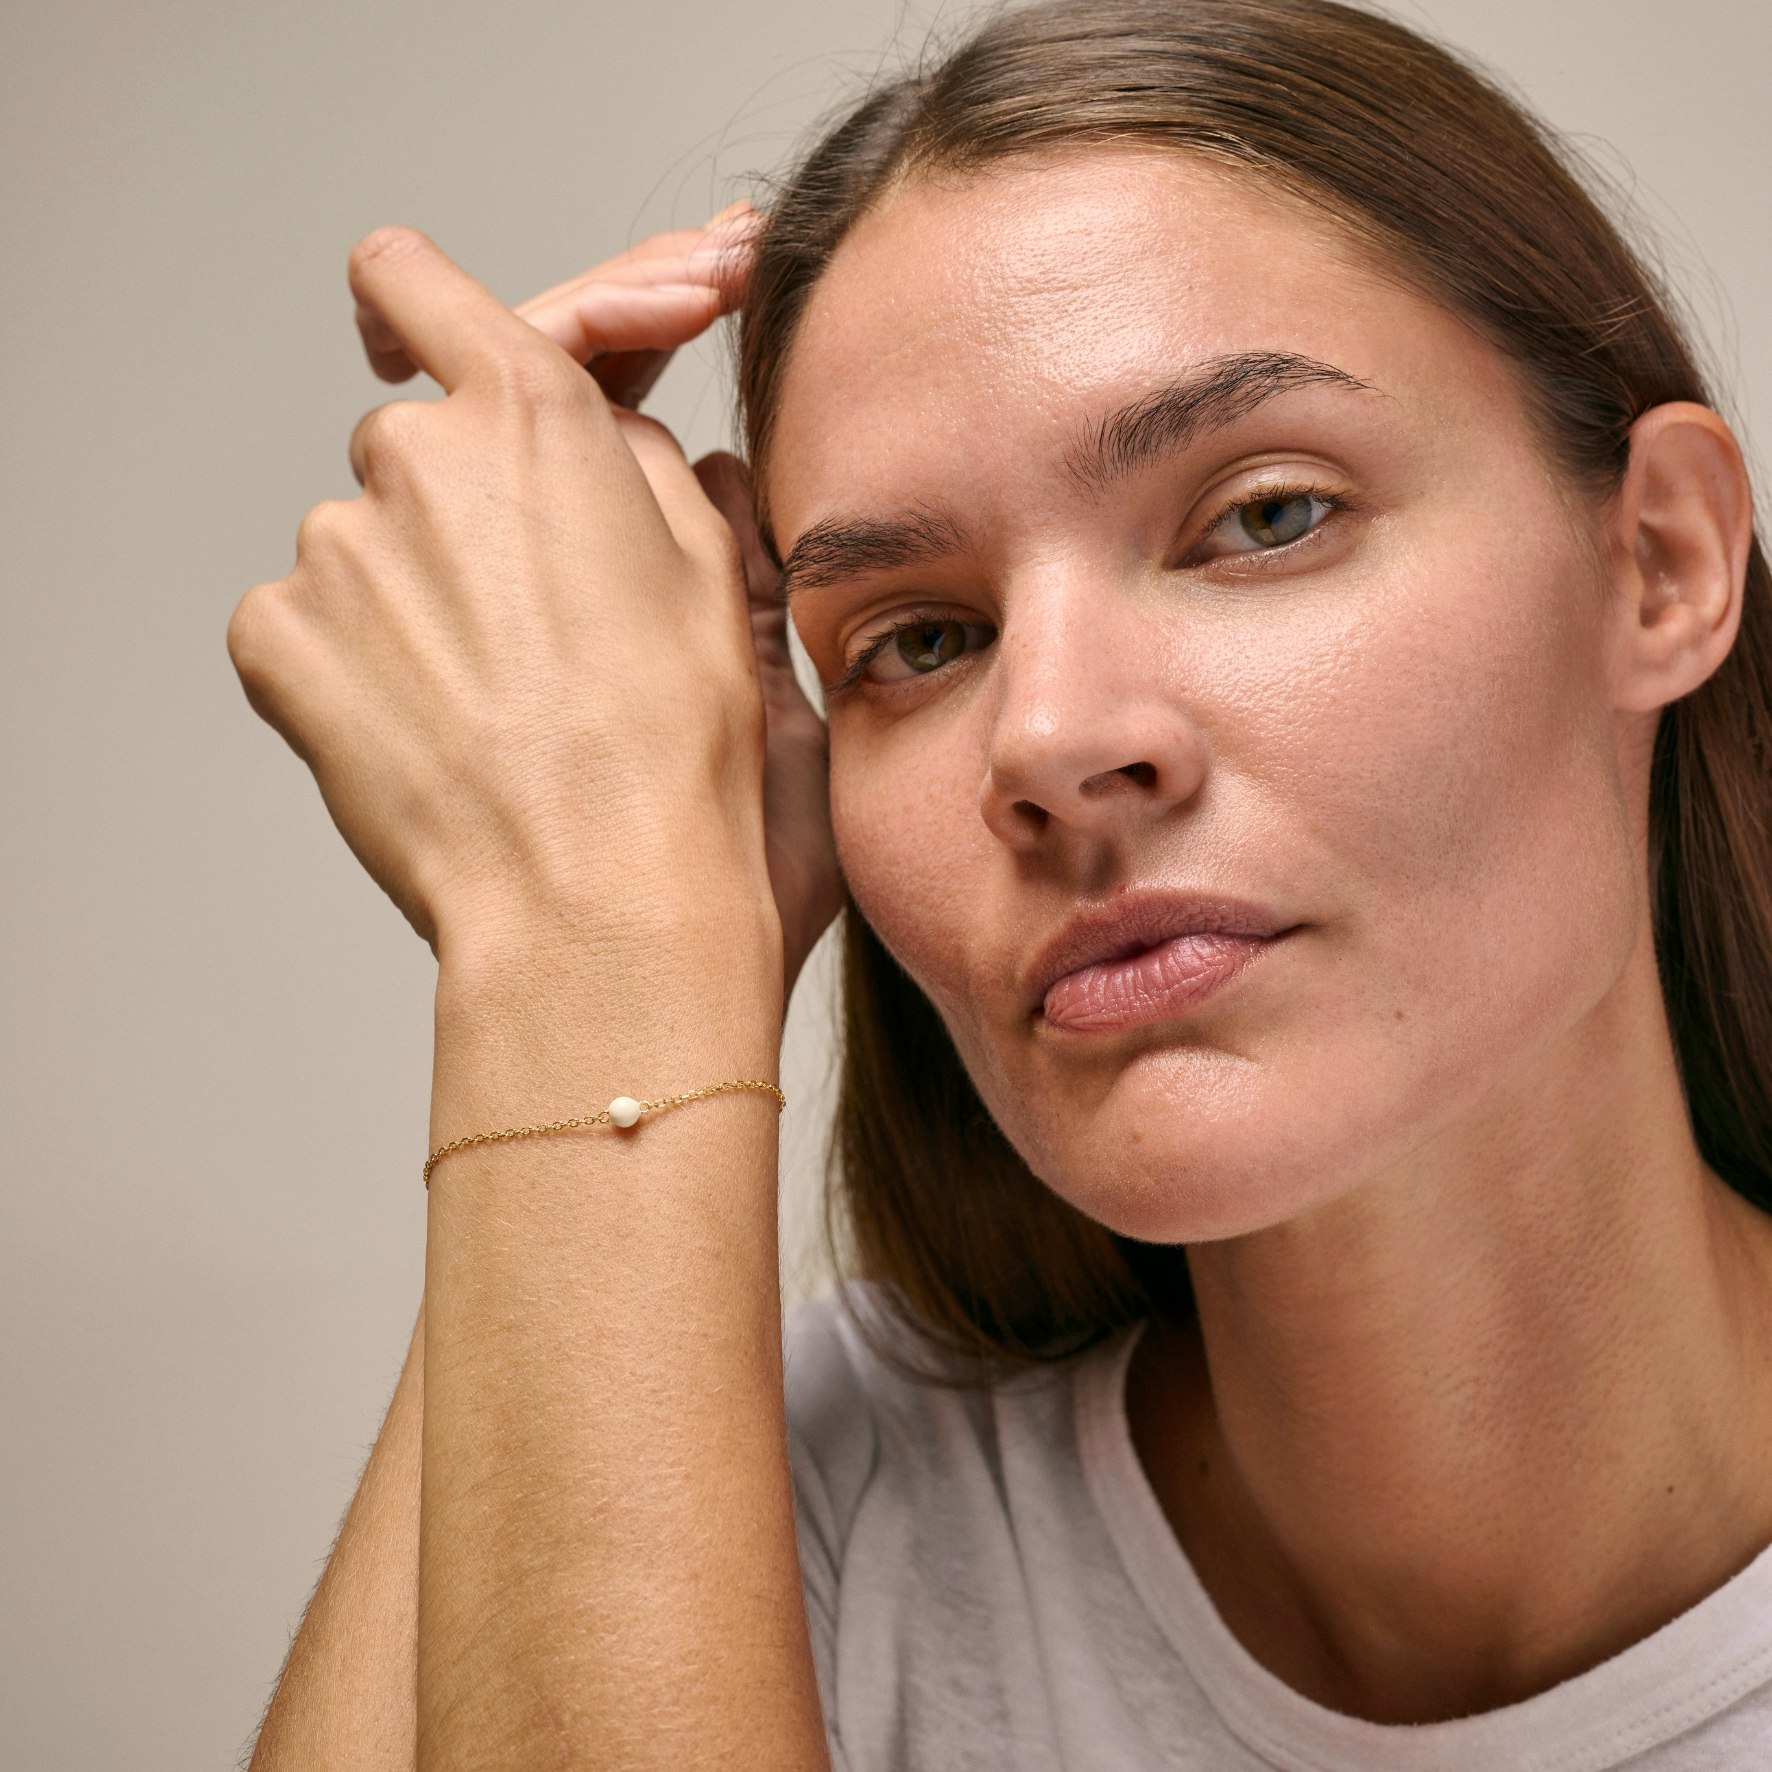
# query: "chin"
[1192,1145]
[1177,1194]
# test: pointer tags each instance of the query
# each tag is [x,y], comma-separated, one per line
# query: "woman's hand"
[524,671]
[802,854]
[539,666]
[623,319]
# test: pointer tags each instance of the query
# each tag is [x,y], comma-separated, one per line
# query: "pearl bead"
[624,1111]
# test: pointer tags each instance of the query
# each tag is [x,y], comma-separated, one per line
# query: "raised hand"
[521,664]
[802,853]
[623,319]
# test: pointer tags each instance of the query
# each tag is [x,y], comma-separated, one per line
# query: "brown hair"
[1468,198]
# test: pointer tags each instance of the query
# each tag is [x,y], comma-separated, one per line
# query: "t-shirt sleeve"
[832,1448]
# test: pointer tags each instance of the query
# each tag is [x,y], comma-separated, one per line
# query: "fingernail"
[730,244]
[731,210]
[732,227]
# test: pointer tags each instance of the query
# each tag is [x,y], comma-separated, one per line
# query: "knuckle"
[252,631]
[322,528]
[384,244]
[537,379]
[390,434]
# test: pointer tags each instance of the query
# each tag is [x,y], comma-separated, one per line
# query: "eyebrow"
[841,548]
[1216,393]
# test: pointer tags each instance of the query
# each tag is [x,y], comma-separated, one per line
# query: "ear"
[1682,531]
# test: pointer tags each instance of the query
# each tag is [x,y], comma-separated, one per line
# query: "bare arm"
[346,1696]
[346,1700]
[523,671]
[608,1569]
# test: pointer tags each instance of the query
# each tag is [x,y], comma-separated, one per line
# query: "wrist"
[706,950]
[542,1011]
[690,891]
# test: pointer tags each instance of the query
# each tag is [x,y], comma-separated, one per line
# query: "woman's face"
[1220,564]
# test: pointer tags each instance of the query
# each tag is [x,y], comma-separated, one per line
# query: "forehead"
[969,318]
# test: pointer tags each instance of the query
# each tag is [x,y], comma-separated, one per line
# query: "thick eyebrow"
[840,548]
[1217,393]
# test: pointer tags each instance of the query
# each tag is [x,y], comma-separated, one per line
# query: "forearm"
[345,1701]
[607,1569]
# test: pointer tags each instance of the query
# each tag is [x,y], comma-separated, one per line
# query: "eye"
[909,649]
[1261,524]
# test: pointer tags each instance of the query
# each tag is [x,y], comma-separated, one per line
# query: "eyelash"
[1278,493]
[878,644]
[1331,502]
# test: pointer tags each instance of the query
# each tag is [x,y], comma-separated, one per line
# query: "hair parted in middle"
[1427,165]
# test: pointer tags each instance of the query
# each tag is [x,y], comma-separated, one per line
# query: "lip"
[1138,923]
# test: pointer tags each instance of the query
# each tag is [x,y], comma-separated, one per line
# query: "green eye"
[1260,525]
[911,649]
[1275,521]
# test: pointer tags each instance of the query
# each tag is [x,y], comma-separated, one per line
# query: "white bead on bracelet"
[624,1111]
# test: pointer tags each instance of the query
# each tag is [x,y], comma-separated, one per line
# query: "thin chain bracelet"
[623,1111]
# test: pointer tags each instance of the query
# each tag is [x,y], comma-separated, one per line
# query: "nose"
[1089,732]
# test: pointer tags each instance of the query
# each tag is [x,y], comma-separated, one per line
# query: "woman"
[1296,659]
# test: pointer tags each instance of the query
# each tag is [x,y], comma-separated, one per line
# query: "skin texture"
[532,674]
[1478,1391]
[1478,1394]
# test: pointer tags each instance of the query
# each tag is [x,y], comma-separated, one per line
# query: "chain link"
[598,1119]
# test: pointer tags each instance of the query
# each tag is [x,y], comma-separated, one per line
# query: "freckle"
[1399,1015]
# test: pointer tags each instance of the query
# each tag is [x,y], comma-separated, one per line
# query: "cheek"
[912,844]
[1421,764]
[1457,766]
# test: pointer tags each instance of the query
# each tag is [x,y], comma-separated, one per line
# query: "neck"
[1490,1418]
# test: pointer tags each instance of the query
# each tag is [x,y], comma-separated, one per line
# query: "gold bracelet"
[624,1111]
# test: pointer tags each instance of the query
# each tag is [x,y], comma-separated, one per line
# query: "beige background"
[215,1031]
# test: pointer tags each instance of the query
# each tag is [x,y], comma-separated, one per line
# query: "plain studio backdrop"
[216,1031]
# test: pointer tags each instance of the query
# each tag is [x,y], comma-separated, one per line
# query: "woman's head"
[1248,412]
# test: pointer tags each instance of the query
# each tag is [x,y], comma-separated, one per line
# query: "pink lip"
[1145,952]
[1151,985]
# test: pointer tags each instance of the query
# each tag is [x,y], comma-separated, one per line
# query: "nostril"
[1143,775]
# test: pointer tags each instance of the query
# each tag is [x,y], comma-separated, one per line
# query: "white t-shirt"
[992,1587]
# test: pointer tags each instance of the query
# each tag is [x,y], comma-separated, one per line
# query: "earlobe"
[1684,530]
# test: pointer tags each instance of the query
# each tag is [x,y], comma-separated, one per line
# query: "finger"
[573,313]
[584,317]
[629,317]
[693,520]
[381,344]
[597,321]
[738,221]
[627,377]
[651,259]
[727,483]
[713,254]
[660,305]
[452,327]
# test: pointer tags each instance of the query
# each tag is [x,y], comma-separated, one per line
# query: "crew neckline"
[1694,1667]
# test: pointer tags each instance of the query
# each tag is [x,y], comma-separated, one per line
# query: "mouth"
[1148,957]
[1152,984]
